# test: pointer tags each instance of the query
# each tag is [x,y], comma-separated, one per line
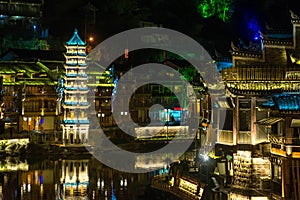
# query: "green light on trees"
[219,8]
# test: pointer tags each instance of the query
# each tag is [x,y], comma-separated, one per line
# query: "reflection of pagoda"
[75,123]
[74,178]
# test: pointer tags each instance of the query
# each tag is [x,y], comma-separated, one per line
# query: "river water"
[76,178]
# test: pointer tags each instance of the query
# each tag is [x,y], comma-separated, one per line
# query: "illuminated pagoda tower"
[75,104]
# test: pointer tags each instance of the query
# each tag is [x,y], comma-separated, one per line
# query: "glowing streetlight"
[91,39]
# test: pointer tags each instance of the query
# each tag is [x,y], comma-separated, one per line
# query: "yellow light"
[91,39]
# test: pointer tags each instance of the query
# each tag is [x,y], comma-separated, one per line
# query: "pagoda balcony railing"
[71,103]
[83,88]
[76,54]
[71,75]
[76,121]
[76,103]
[84,103]
[68,87]
[74,63]
[261,74]
[82,74]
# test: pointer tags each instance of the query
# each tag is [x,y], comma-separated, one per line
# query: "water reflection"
[84,178]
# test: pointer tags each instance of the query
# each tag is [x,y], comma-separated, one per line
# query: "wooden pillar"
[236,121]
[288,130]
[253,120]
[294,180]
[297,168]
[286,178]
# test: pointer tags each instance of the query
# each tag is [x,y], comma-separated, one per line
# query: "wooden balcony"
[225,137]
[285,146]
[253,73]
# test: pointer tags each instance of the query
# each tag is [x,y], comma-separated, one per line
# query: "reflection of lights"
[101,115]
[41,179]
[94,194]
[124,113]
[25,119]
[41,188]
[28,187]
[81,190]
[205,157]
[123,182]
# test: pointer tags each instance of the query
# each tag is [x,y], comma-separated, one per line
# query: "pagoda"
[75,101]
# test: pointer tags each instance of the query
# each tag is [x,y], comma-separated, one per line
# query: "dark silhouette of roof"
[32,55]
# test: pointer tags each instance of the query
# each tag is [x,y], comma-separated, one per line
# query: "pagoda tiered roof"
[75,40]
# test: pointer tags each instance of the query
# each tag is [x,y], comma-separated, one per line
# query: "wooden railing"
[260,74]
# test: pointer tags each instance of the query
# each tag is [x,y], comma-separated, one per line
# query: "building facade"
[259,142]
[29,97]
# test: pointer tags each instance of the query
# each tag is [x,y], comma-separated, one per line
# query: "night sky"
[114,16]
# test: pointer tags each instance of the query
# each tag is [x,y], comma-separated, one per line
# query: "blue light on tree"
[254,28]
[257,36]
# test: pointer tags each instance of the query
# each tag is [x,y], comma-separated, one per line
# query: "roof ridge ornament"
[233,47]
[293,15]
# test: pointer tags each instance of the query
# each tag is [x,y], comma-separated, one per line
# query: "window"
[245,120]
[228,122]
[72,114]
[276,172]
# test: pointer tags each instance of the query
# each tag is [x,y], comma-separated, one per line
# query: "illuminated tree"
[219,8]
